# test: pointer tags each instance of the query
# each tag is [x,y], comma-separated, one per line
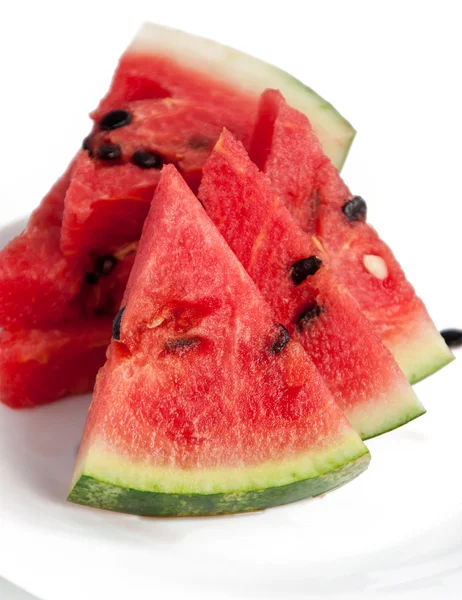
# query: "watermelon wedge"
[205,406]
[285,147]
[40,366]
[109,194]
[56,311]
[170,97]
[37,284]
[294,275]
[40,288]
[167,63]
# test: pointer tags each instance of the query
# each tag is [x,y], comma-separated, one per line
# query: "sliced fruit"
[37,284]
[285,147]
[163,62]
[37,367]
[165,104]
[205,406]
[40,288]
[113,181]
[295,277]
[55,311]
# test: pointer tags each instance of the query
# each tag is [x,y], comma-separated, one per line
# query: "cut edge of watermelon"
[251,75]
[421,355]
[105,480]
[402,407]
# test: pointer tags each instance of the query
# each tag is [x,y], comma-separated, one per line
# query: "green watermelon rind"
[112,482]
[422,356]
[251,75]
[431,368]
[390,425]
[89,491]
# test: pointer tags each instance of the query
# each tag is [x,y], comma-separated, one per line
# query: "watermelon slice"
[55,310]
[40,288]
[41,366]
[205,406]
[285,147]
[169,99]
[171,95]
[294,275]
[108,198]
[37,284]
[167,63]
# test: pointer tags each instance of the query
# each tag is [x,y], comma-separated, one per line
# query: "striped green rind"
[115,481]
[99,494]
[249,74]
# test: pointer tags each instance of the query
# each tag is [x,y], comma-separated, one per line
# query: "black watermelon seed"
[282,339]
[146,159]
[181,345]
[109,152]
[116,324]
[92,278]
[452,337]
[312,312]
[86,145]
[305,267]
[355,209]
[115,119]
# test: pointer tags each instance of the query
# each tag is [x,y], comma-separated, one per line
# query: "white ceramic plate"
[396,531]
[8,591]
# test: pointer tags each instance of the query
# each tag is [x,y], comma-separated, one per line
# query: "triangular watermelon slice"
[170,97]
[294,275]
[114,179]
[167,63]
[285,147]
[205,406]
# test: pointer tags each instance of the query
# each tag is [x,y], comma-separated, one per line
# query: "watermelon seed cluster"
[143,158]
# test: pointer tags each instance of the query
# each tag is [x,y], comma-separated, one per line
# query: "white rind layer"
[250,75]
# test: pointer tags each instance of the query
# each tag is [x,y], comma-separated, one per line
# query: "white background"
[392,68]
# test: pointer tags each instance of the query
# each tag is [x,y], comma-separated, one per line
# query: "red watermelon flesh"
[166,63]
[204,399]
[305,296]
[286,149]
[37,367]
[105,210]
[56,325]
[219,86]
[108,200]
[37,284]
[42,288]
